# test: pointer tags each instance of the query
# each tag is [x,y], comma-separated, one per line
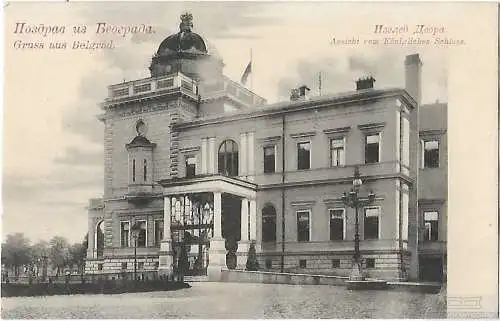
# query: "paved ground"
[232,300]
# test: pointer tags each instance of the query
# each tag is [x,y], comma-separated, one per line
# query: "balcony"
[151,87]
[180,84]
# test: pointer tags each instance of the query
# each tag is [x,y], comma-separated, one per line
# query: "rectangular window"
[303,226]
[140,265]
[370,263]
[431,154]
[337,227]
[431,219]
[190,166]
[145,171]
[269,159]
[133,170]
[124,234]
[269,263]
[372,144]
[100,266]
[371,223]
[141,236]
[302,264]
[158,232]
[335,263]
[337,152]
[124,265]
[304,155]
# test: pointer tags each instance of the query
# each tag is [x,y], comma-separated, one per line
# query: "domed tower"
[186,52]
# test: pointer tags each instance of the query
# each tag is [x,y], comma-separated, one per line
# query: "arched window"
[228,158]
[269,224]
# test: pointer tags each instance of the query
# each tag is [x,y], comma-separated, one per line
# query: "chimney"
[413,76]
[304,92]
[365,83]
[301,93]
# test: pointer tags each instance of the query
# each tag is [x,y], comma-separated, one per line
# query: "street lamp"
[352,200]
[136,228]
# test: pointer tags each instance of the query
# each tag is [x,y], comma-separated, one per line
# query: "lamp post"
[353,200]
[136,228]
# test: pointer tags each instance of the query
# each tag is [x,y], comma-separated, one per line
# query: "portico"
[214,215]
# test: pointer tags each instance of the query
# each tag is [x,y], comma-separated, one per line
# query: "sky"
[53,142]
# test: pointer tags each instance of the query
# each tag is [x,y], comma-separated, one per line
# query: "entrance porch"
[209,223]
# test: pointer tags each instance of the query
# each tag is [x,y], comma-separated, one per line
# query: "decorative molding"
[431,202]
[435,132]
[332,201]
[303,135]
[303,204]
[189,149]
[371,126]
[269,139]
[339,130]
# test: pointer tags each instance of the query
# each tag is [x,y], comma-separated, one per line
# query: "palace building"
[198,169]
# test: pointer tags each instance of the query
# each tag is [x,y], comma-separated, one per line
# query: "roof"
[315,102]
[140,141]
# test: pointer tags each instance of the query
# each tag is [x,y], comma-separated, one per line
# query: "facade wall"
[316,189]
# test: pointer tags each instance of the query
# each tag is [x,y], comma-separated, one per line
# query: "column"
[165,267]
[243,154]
[242,253]
[250,157]
[217,251]
[204,156]
[253,220]
[217,215]
[244,219]
[211,155]
[253,226]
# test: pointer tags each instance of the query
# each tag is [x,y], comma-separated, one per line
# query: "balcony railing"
[152,85]
[185,85]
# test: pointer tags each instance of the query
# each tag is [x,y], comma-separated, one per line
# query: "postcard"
[250,160]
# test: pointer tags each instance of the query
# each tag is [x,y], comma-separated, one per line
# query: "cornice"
[303,134]
[303,203]
[371,126]
[339,130]
[269,139]
[432,132]
[189,149]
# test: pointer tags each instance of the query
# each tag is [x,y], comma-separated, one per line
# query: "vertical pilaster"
[211,156]
[204,156]
[251,160]
[243,156]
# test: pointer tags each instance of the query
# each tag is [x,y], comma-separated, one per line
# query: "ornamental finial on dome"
[186,22]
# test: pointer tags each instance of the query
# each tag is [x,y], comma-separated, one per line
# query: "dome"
[183,41]
[188,42]
[186,52]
